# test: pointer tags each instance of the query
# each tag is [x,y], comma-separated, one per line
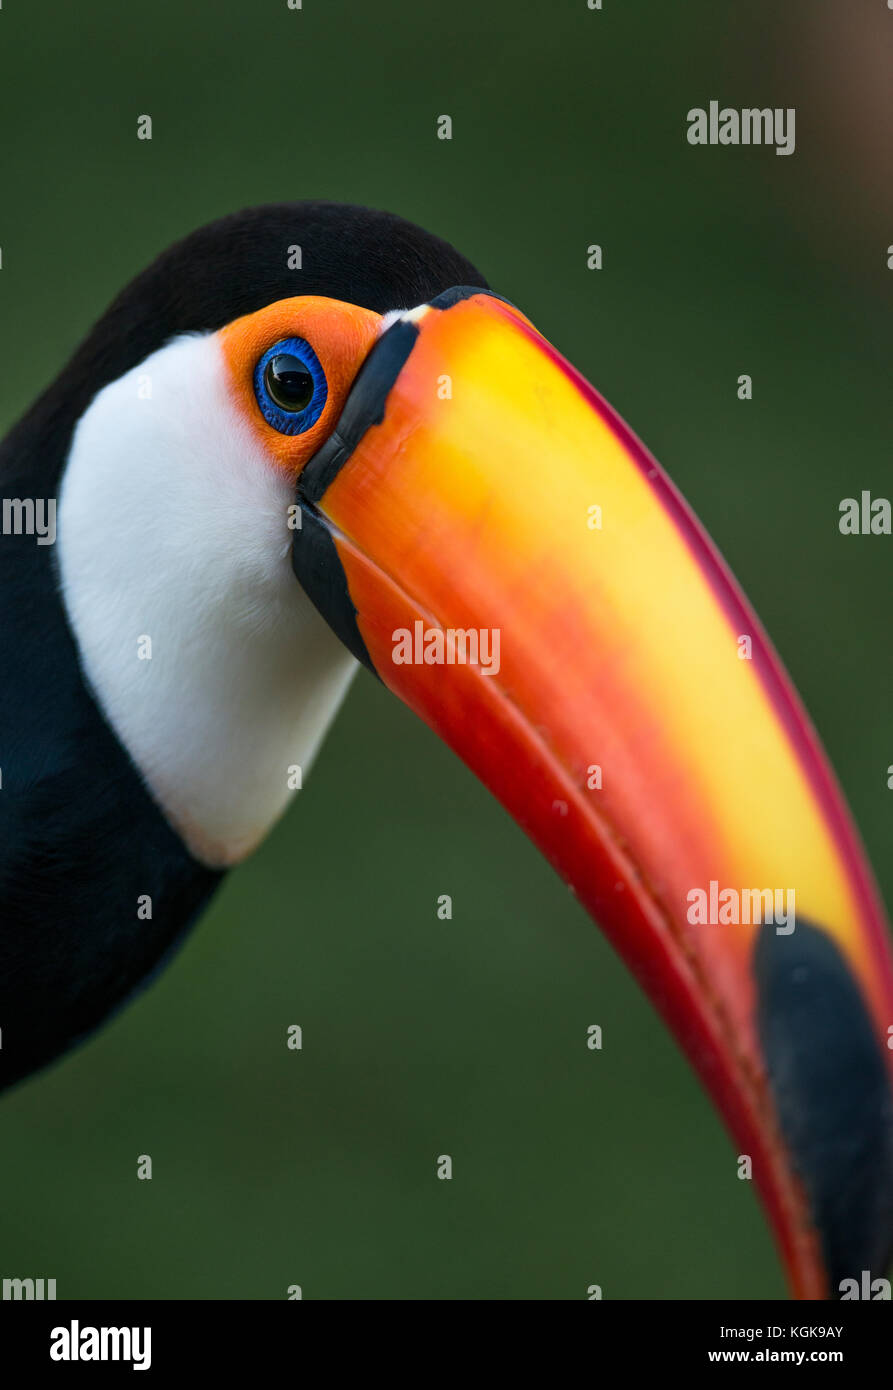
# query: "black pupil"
[288,381]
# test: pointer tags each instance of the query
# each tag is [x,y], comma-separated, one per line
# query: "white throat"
[173,531]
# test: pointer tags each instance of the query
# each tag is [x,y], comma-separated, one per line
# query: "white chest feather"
[209,662]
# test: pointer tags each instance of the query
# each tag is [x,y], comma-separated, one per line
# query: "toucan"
[310,437]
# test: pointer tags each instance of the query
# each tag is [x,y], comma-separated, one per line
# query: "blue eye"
[290,386]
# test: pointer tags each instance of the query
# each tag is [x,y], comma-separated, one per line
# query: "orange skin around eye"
[340,334]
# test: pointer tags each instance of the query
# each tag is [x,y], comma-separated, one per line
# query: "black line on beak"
[447,298]
[314,555]
[364,407]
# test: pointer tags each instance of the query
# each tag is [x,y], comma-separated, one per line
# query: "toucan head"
[344,449]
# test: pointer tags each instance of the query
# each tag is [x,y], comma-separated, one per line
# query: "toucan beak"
[488,536]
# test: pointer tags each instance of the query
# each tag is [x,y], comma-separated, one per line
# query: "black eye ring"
[290,386]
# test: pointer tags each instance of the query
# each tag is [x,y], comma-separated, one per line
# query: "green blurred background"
[469,1037]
